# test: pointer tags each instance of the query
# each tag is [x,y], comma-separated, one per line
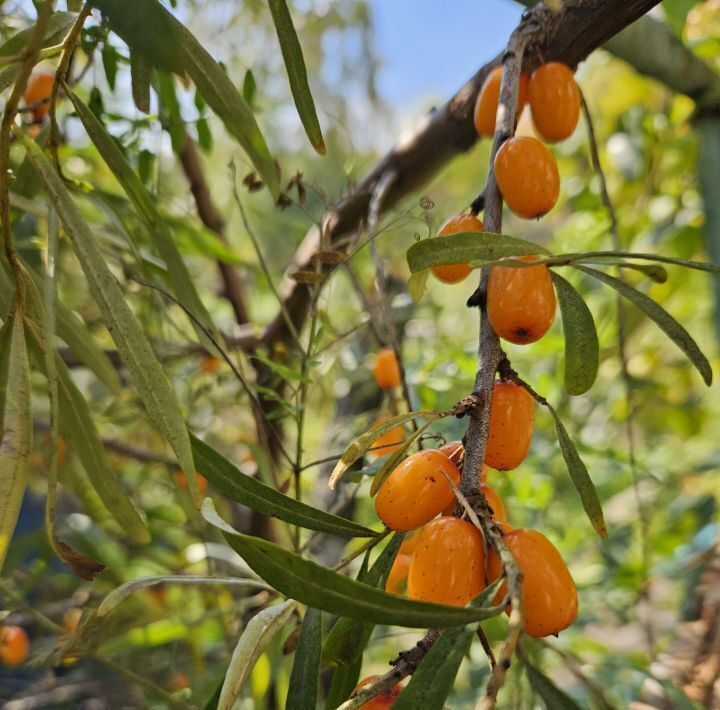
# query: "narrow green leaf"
[347,639]
[434,677]
[58,24]
[297,73]
[69,327]
[178,274]
[664,320]
[249,491]
[80,341]
[16,425]
[140,77]
[330,591]
[581,340]
[137,354]
[344,680]
[121,593]
[654,272]
[466,247]
[361,445]
[147,27]
[249,88]
[48,334]
[77,427]
[551,695]
[580,477]
[591,256]
[305,676]
[250,646]
[417,284]
[109,56]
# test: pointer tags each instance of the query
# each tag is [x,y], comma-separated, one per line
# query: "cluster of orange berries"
[446,561]
[521,301]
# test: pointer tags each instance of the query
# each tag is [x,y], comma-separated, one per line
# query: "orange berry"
[388,442]
[14,645]
[210,364]
[397,579]
[549,596]
[379,702]
[448,565]
[455,451]
[71,619]
[408,544]
[511,426]
[202,482]
[386,369]
[528,177]
[179,681]
[487,101]
[554,101]
[494,501]
[416,491]
[454,273]
[38,89]
[521,301]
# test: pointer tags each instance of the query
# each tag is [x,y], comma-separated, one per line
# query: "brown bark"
[233,287]
[569,36]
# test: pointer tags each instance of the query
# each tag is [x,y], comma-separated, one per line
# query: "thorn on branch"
[478,299]
[466,405]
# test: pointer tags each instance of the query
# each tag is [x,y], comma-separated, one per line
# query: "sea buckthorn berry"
[528,177]
[379,702]
[494,501]
[408,544]
[448,565]
[454,273]
[487,101]
[455,451]
[554,101]
[416,491]
[521,301]
[386,369]
[511,426]
[210,364]
[71,620]
[179,681]
[14,645]
[388,442]
[549,596]
[396,582]
[38,90]
[202,482]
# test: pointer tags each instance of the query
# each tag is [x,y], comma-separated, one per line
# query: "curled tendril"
[426,203]
[417,237]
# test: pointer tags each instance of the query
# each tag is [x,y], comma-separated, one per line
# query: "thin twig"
[61,76]
[11,107]
[403,666]
[383,187]
[261,257]
[372,542]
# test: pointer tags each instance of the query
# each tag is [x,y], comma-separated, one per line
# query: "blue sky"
[430,47]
